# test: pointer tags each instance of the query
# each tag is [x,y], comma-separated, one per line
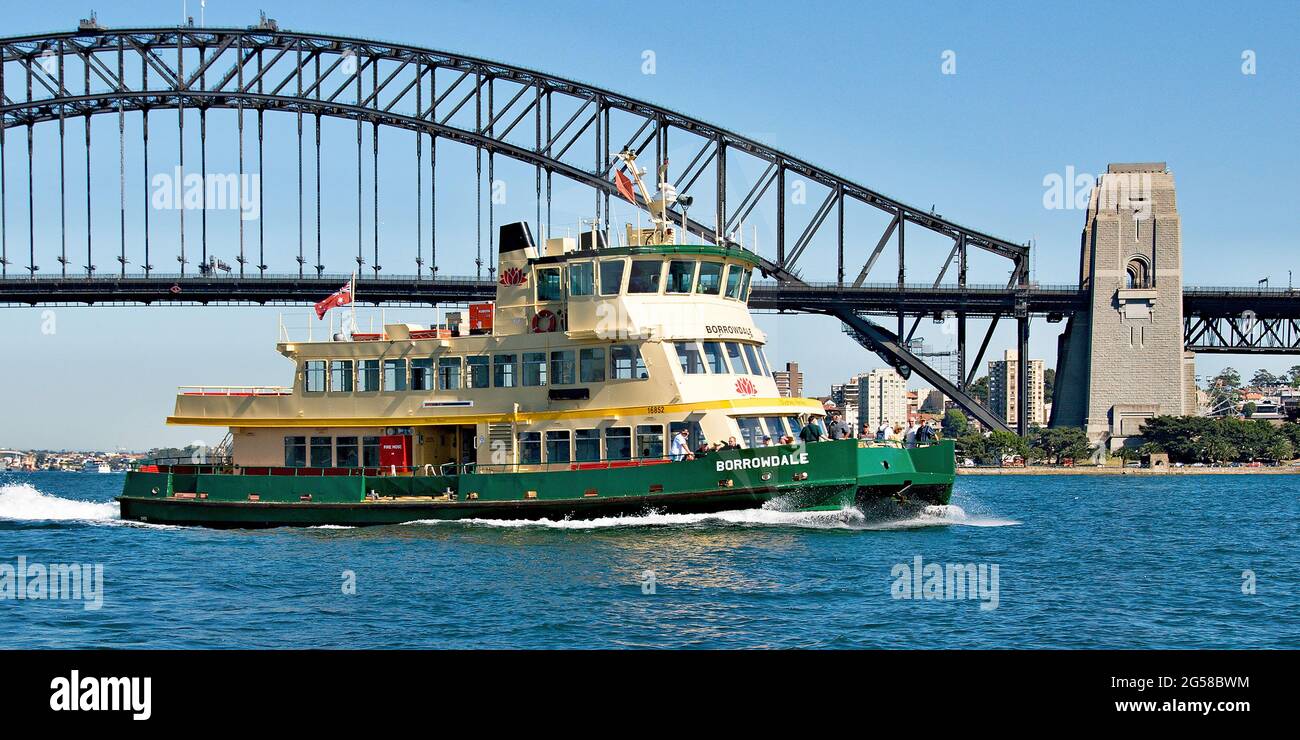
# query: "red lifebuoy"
[545,321]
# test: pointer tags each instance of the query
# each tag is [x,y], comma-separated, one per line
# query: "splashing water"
[22,501]
[847,518]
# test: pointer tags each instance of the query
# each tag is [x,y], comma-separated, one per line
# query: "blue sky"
[852,86]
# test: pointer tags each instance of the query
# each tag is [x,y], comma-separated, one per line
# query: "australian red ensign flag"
[341,297]
[624,185]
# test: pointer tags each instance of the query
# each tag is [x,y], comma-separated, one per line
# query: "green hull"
[820,475]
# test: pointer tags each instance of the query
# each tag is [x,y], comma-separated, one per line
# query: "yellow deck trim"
[805,404]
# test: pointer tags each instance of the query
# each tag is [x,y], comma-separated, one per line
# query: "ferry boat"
[559,399]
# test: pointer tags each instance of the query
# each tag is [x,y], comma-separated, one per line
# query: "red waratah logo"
[745,387]
[513,276]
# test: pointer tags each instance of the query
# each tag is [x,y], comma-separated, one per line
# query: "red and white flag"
[624,185]
[341,297]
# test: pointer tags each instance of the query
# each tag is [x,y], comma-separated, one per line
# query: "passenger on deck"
[767,442]
[679,449]
[732,444]
[810,432]
[703,450]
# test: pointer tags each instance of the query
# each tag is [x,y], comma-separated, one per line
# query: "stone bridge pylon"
[1122,361]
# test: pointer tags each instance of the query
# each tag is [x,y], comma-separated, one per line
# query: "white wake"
[22,501]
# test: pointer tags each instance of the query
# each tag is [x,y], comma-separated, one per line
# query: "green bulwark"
[820,475]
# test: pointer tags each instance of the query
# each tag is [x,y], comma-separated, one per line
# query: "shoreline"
[1107,470]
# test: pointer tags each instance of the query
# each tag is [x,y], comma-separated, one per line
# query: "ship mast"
[663,232]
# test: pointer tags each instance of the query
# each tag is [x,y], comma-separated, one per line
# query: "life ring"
[545,321]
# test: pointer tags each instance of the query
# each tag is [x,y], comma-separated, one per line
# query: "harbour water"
[1081,562]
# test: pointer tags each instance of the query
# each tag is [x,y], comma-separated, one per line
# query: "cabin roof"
[707,250]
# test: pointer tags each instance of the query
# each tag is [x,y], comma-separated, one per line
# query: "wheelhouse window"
[369,452]
[549,284]
[476,371]
[530,448]
[422,374]
[591,365]
[681,276]
[713,355]
[644,277]
[582,280]
[710,282]
[650,441]
[341,376]
[618,443]
[688,353]
[534,368]
[346,452]
[752,355]
[394,375]
[737,357]
[558,446]
[611,276]
[313,376]
[762,357]
[505,371]
[733,281]
[322,452]
[744,285]
[368,375]
[625,363]
[562,369]
[586,445]
[295,450]
[448,373]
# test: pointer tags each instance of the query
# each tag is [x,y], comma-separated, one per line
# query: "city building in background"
[789,382]
[882,396]
[1004,389]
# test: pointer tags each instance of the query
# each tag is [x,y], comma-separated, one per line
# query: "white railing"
[234,390]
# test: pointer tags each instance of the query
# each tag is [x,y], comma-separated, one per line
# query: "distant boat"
[95,466]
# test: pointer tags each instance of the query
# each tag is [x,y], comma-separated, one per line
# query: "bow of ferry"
[561,398]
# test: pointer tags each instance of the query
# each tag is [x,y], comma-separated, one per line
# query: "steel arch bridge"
[558,126]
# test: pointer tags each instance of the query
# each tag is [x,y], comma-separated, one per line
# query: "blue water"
[1083,562]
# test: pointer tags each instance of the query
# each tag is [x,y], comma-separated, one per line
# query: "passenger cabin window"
[368,375]
[645,276]
[422,374]
[775,429]
[582,281]
[751,430]
[688,353]
[733,281]
[591,365]
[448,373]
[369,452]
[313,376]
[737,357]
[611,276]
[650,441]
[322,452]
[562,369]
[394,375]
[618,443]
[530,448]
[476,372]
[534,368]
[625,363]
[586,445]
[346,452]
[557,446]
[681,276]
[713,354]
[295,450]
[505,371]
[341,376]
[548,285]
[710,282]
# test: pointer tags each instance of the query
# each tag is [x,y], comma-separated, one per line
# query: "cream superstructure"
[591,354]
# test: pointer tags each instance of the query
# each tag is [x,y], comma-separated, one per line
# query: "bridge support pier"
[1121,361]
